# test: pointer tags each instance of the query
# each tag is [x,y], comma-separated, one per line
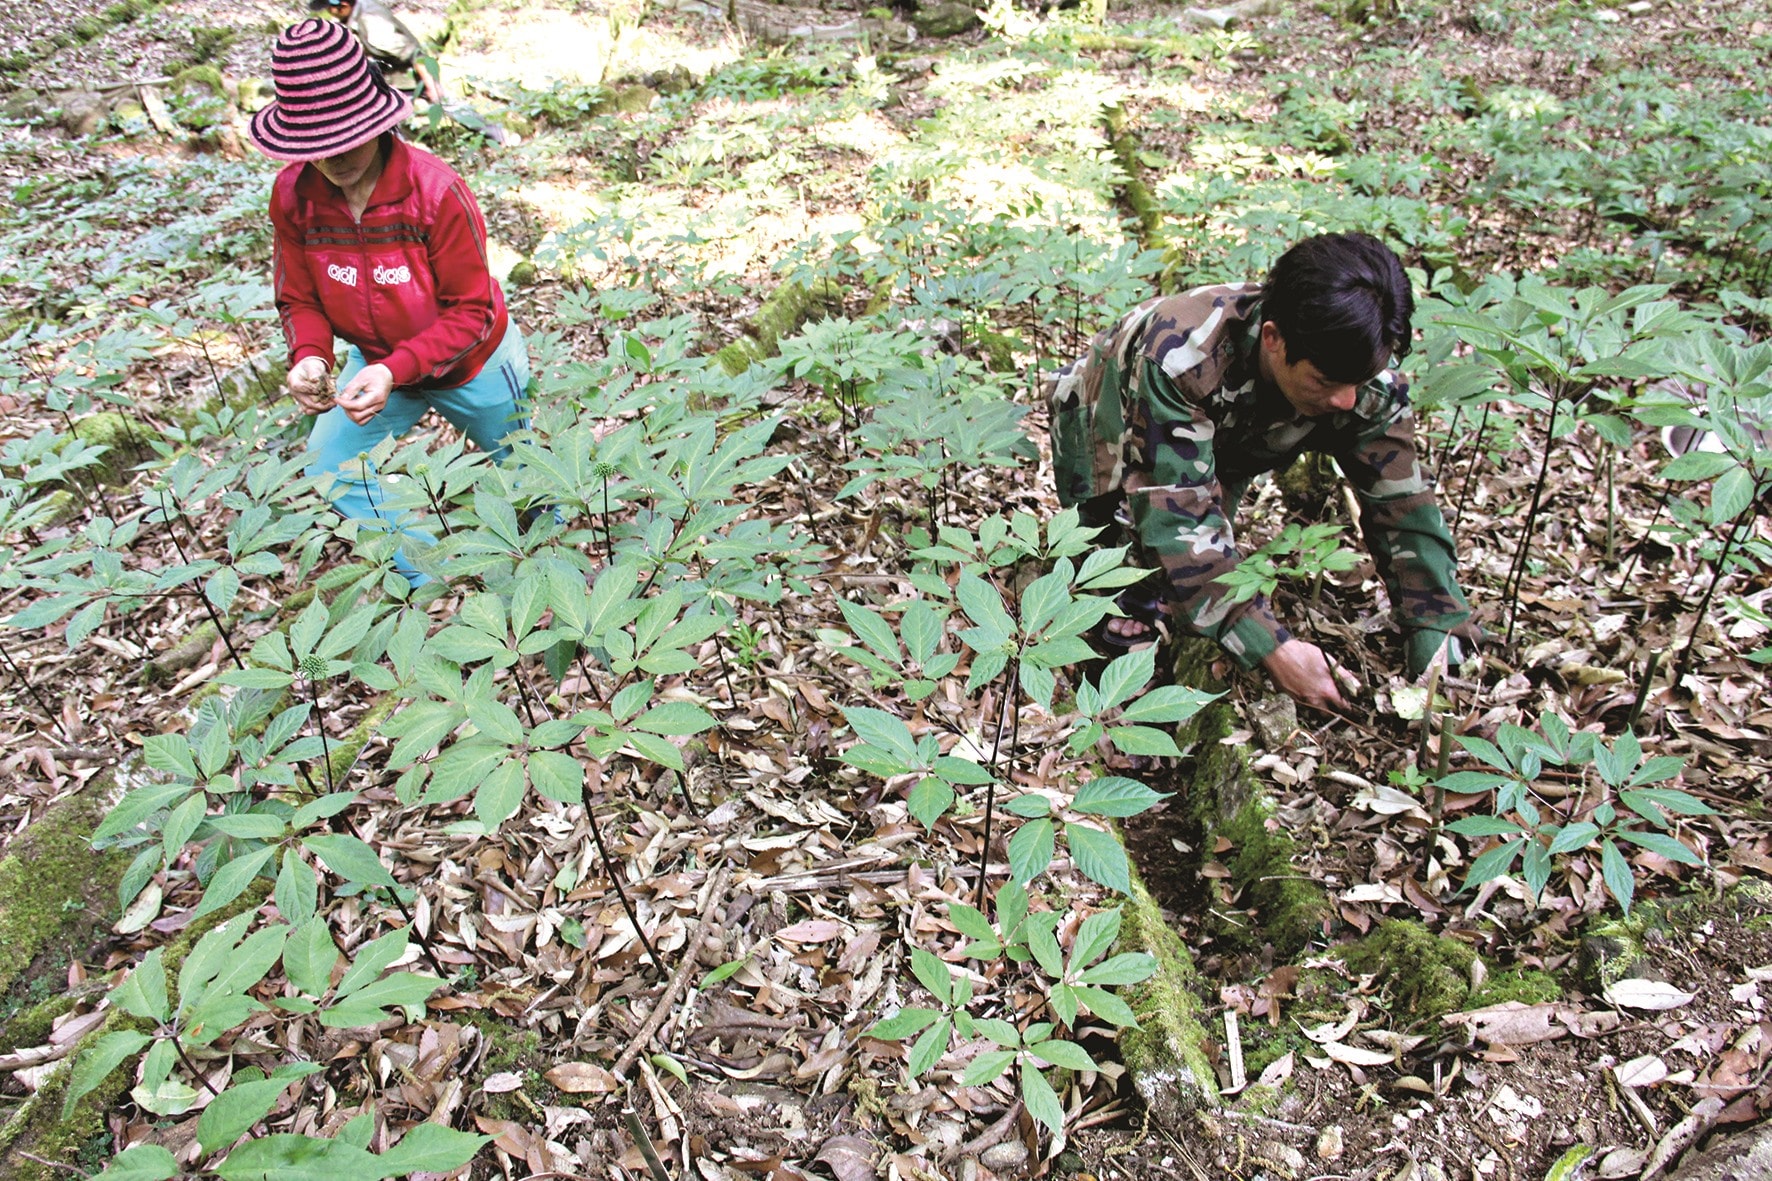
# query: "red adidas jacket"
[408,285]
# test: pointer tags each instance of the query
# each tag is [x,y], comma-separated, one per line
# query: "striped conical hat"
[329,98]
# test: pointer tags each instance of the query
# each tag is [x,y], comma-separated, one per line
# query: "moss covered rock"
[1427,976]
[125,441]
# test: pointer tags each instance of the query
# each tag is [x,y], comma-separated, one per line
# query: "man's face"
[1303,384]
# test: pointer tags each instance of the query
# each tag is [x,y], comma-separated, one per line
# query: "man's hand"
[308,382]
[1306,672]
[367,393]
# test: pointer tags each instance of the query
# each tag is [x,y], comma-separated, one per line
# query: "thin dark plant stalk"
[990,789]
[1470,471]
[609,868]
[325,745]
[1611,508]
[29,688]
[1517,575]
[1719,569]
[424,944]
[523,694]
[436,505]
[214,617]
[1446,451]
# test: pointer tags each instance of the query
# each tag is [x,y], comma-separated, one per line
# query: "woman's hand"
[367,393]
[1309,675]
[308,383]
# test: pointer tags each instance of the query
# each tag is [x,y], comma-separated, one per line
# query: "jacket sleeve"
[466,293]
[1405,532]
[1181,521]
[306,328]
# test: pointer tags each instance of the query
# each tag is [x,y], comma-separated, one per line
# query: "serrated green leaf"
[930,1047]
[231,1114]
[349,858]
[934,974]
[1126,968]
[96,1064]
[902,1024]
[144,1162]
[1099,856]
[1040,1100]
[231,880]
[1030,850]
[1143,740]
[1115,795]
[431,1148]
[987,1067]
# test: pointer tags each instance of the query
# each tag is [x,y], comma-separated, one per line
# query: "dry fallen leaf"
[583,1078]
[1641,1072]
[811,931]
[1653,995]
[850,1157]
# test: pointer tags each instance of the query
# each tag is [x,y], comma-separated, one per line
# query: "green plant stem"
[325,746]
[436,506]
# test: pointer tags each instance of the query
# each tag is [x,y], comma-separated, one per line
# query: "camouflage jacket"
[1169,398]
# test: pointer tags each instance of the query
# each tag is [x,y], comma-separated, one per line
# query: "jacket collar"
[393,186]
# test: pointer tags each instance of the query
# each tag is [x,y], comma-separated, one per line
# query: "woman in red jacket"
[380,243]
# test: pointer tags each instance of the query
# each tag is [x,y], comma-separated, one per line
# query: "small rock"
[1000,1158]
[82,112]
[1608,16]
[1285,1159]
[1330,1145]
[947,18]
[1640,7]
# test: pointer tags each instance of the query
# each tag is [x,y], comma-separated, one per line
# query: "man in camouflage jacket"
[1188,397]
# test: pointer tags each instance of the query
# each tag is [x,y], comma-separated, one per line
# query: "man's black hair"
[1341,302]
[322,5]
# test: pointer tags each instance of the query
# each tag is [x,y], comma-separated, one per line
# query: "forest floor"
[673,160]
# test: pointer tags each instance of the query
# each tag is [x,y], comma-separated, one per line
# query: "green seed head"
[313,667]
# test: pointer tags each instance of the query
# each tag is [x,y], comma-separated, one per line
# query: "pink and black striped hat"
[329,98]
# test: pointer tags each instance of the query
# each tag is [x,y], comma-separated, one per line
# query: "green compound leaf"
[902,1024]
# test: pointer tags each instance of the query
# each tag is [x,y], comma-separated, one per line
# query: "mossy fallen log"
[53,887]
[39,1142]
[1135,194]
[1166,1054]
[1224,799]
[788,307]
